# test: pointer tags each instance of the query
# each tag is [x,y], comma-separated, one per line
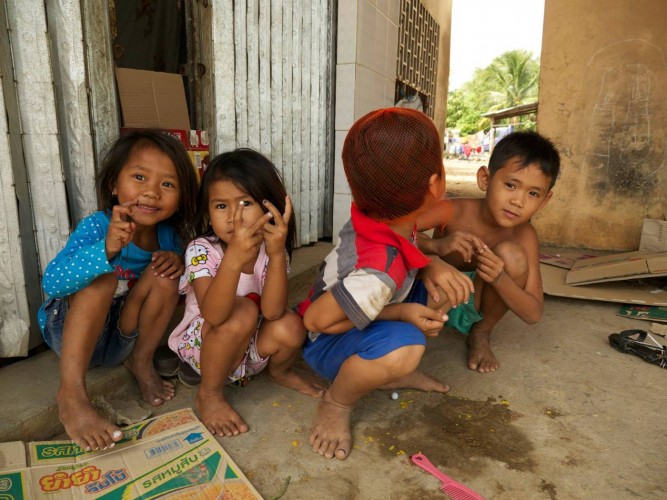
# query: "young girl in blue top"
[114,286]
[236,320]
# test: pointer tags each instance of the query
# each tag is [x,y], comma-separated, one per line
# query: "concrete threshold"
[29,411]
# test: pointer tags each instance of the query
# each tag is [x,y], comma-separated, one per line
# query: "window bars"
[417,64]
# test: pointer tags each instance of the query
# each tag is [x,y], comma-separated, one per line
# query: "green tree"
[511,79]
[461,113]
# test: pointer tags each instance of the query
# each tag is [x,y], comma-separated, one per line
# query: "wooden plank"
[104,112]
[307,42]
[296,111]
[252,80]
[265,65]
[14,310]
[224,69]
[241,74]
[286,97]
[316,34]
[67,52]
[204,53]
[327,137]
[276,86]
[41,149]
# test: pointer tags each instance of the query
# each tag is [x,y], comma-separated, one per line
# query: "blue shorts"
[327,353]
[112,346]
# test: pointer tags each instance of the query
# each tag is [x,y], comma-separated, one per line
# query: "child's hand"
[275,234]
[456,285]
[244,245]
[429,321]
[167,264]
[466,244]
[121,228]
[490,267]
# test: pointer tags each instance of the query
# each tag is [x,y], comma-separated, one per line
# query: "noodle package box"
[172,456]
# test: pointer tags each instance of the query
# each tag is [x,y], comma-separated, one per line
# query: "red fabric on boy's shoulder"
[376,232]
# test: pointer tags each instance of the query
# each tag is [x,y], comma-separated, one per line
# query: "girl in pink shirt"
[236,320]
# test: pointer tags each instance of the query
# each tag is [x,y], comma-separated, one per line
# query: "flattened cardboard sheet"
[625,292]
[617,267]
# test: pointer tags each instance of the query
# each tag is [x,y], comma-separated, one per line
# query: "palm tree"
[511,79]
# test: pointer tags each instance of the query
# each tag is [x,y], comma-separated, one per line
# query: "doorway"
[492,72]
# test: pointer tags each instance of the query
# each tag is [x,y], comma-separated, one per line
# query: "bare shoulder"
[465,207]
[526,236]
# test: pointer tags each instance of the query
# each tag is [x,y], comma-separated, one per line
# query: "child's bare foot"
[480,356]
[84,424]
[304,382]
[154,390]
[218,415]
[330,435]
[417,380]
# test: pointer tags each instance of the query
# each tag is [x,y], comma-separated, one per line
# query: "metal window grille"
[417,64]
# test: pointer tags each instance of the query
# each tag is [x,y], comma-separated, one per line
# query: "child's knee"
[161,285]
[242,323]
[515,259]
[289,330]
[403,360]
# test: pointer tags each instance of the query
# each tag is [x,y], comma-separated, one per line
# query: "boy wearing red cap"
[492,239]
[367,316]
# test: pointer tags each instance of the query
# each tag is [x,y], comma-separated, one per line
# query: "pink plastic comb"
[453,488]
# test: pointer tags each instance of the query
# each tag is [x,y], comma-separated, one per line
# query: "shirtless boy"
[493,239]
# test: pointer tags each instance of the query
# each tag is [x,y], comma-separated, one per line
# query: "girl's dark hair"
[530,147]
[252,173]
[135,140]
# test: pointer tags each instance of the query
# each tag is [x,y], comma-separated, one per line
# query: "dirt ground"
[565,417]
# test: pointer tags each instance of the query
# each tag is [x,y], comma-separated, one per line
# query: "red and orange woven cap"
[389,156]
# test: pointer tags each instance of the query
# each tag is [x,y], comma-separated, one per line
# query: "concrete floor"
[565,417]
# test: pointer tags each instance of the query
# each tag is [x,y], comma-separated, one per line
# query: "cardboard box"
[625,292]
[654,236]
[170,456]
[196,142]
[620,266]
[149,99]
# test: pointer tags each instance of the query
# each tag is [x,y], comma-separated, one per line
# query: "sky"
[484,29]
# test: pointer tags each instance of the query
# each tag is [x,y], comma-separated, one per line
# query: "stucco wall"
[603,101]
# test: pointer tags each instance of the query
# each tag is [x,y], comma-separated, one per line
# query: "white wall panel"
[34,83]
[14,313]
[65,28]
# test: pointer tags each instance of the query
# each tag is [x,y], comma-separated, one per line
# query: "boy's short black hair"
[530,147]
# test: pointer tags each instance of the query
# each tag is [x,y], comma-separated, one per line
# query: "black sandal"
[633,342]
[166,362]
[188,376]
